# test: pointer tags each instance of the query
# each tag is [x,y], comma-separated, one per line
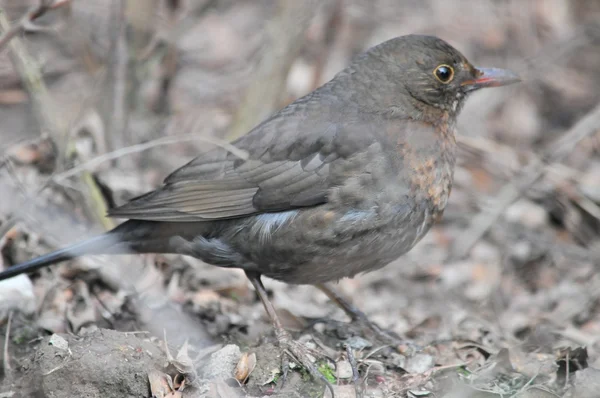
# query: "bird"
[340,182]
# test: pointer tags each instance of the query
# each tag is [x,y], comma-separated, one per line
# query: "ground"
[99,103]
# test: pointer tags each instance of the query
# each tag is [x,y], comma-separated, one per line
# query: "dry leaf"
[275,373]
[183,363]
[81,310]
[244,367]
[159,384]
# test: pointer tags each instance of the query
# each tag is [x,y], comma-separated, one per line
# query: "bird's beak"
[490,77]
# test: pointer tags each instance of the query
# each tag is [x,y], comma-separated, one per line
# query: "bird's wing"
[293,159]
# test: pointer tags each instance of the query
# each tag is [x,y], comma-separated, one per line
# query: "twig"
[45,107]
[558,174]
[374,351]
[92,163]
[481,223]
[115,104]
[6,361]
[169,61]
[358,387]
[31,76]
[284,40]
[173,34]
[567,370]
[331,31]
[352,361]
[58,367]
[31,15]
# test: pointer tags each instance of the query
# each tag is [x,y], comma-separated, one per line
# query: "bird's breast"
[430,169]
[431,181]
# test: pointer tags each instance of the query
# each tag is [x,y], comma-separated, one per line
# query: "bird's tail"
[95,245]
[130,237]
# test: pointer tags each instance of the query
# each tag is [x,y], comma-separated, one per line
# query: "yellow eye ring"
[444,73]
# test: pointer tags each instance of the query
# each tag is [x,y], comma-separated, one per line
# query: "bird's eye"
[444,73]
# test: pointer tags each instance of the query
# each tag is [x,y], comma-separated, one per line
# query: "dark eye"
[444,73]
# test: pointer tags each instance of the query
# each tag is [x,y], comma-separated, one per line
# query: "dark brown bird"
[342,181]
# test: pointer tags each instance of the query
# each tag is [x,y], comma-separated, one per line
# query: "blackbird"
[342,181]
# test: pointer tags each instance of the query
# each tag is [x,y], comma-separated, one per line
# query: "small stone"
[398,360]
[358,343]
[221,364]
[521,251]
[343,370]
[59,342]
[420,363]
[585,384]
[347,391]
[485,253]
[527,213]
[16,293]
[589,183]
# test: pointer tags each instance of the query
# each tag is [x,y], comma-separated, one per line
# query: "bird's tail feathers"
[102,244]
[133,236]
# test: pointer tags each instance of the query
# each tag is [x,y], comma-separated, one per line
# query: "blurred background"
[101,99]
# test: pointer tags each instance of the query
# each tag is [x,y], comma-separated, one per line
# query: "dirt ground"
[100,100]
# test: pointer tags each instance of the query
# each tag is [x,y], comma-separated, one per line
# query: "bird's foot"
[291,348]
[371,331]
[362,326]
[302,356]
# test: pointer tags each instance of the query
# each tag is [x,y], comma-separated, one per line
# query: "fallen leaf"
[159,383]
[81,310]
[275,373]
[245,367]
[183,362]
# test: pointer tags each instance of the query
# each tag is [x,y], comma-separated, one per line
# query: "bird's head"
[429,70]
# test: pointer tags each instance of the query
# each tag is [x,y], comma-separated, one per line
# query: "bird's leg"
[297,351]
[359,317]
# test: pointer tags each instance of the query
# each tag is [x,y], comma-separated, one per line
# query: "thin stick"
[285,35]
[115,96]
[45,106]
[481,223]
[567,370]
[92,163]
[6,361]
[358,386]
[31,15]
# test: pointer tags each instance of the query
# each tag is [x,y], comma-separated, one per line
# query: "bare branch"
[115,96]
[587,126]
[29,17]
[89,165]
[45,106]
[285,36]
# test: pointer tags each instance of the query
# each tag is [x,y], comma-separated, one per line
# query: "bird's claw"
[372,331]
[301,355]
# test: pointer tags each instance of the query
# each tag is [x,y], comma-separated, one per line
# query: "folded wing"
[291,163]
